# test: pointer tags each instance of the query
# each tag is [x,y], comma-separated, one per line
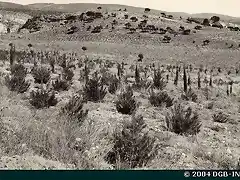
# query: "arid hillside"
[90,86]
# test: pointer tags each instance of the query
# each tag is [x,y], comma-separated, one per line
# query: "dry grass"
[52,139]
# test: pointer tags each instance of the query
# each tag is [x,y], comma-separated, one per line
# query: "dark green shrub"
[94,89]
[126,104]
[74,109]
[41,99]
[41,75]
[190,96]
[158,99]
[183,122]
[132,148]
[17,84]
[60,85]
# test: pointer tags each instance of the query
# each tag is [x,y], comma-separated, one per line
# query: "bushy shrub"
[132,148]
[94,89]
[41,75]
[16,83]
[190,96]
[60,85]
[74,109]
[183,122]
[158,99]
[42,98]
[126,104]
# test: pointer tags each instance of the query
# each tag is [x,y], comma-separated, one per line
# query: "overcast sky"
[228,7]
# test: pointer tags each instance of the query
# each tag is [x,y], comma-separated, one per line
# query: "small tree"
[42,98]
[215,19]
[147,10]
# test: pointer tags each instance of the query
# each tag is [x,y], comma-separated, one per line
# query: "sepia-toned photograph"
[119,85]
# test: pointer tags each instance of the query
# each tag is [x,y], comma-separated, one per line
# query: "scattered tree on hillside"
[163,15]
[134,19]
[206,22]
[147,10]
[215,19]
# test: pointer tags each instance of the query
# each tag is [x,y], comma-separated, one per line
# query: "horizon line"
[124,5]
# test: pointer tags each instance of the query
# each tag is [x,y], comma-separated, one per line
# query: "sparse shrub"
[126,104]
[206,42]
[128,25]
[60,85]
[190,96]
[158,99]
[220,117]
[41,75]
[186,32]
[183,122]
[132,30]
[16,83]
[210,105]
[94,89]
[74,109]
[158,80]
[198,27]
[42,98]
[97,29]
[166,39]
[181,28]
[132,148]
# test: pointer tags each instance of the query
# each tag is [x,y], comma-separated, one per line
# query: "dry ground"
[38,138]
